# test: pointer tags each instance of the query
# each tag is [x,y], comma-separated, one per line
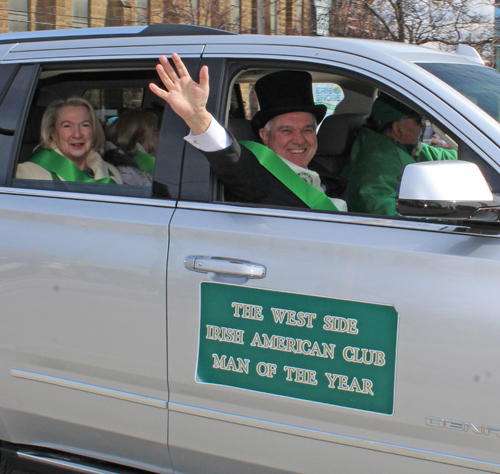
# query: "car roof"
[373,49]
[160,29]
[363,47]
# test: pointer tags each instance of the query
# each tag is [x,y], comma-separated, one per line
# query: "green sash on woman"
[312,197]
[145,162]
[59,166]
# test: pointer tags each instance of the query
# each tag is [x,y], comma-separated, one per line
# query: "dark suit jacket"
[246,180]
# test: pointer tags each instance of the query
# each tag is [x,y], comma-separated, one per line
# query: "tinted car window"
[479,84]
[112,92]
[109,103]
[336,135]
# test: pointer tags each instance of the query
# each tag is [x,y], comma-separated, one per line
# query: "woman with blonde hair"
[135,138]
[71,141]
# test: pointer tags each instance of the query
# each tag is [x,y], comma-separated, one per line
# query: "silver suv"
[168,328]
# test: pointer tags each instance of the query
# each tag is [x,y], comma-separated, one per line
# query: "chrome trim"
[95,389]
[335,438]
[102,49]
[318,216]
[64,464]
[227,266]
[89,197]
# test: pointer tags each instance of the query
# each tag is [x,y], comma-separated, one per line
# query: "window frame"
[231,67]
[15,102]
[166,184]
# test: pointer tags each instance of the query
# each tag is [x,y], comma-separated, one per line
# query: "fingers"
[163,94]
[181,68]
[204,77]
[177,80]
[168,77]
[166,72]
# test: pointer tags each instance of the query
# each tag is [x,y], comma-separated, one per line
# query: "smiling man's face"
[293,137]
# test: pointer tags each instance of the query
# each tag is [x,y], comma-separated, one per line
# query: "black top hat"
[283,92]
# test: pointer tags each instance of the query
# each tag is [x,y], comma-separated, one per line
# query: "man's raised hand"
[187,98]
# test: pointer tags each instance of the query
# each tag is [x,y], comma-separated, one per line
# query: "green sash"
[145,162]
[311,196]
[61,166]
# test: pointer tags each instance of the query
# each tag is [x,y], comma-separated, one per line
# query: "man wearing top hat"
[275,172]
[390,140]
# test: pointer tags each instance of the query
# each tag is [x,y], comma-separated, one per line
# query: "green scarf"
[311,196]
[145,162]
[61,167]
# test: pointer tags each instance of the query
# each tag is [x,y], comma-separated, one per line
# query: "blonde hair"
[50,118]
[135,126]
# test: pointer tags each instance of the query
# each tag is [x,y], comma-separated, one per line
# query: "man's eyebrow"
[300,128]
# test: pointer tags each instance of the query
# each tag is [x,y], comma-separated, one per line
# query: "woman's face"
[73,133]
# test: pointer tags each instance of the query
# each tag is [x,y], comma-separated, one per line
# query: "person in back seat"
[71,142]
[135,138]
[389,141]
[275,173]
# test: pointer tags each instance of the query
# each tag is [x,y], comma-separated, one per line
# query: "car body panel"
[85,340]
[344,260]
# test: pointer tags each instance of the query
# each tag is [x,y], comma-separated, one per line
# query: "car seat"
[336,136]
[242,129]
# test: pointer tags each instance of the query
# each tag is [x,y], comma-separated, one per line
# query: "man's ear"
[396,130]
[264,136]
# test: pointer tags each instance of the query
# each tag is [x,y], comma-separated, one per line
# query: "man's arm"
[238,169]
[431,153]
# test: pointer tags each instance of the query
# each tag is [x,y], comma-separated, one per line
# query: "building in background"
[33,15]
[291,17]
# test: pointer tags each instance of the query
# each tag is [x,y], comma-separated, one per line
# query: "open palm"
[186,97]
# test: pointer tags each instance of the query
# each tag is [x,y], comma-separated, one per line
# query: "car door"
[83,281]
[309,342]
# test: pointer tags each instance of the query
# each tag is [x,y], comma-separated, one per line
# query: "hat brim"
[386,109]
[261,118]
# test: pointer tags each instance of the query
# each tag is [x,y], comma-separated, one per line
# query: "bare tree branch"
[445,23]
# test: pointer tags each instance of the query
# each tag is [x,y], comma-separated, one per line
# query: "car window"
[110,103]
[328,94]
[113,92]
[479,84]
[350,99]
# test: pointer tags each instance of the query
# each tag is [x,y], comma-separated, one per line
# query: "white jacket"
[94,161]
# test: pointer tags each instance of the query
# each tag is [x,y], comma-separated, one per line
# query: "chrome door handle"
[228,266]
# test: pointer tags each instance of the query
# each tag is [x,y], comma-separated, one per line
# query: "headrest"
[337,133]
[242,129]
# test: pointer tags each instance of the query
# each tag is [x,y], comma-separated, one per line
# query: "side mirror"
[446,190]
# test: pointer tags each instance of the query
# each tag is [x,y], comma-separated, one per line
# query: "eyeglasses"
[418,119]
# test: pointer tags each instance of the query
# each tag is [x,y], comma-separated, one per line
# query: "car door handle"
[228,266]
